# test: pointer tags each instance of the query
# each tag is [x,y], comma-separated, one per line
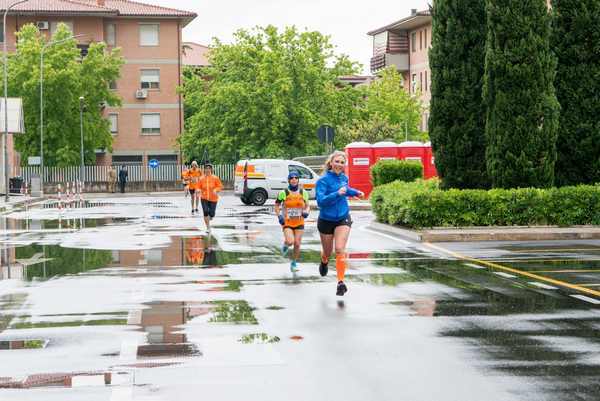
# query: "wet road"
[131,299]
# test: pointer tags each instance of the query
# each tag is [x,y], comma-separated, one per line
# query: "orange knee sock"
[340,266]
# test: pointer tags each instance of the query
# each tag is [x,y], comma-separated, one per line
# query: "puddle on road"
[258,338]
[23,344]
[236,312]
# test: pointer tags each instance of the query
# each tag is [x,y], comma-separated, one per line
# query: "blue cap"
[293,174]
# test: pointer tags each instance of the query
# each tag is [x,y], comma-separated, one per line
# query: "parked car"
[257,180]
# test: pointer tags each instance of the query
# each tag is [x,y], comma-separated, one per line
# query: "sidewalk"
[472,234]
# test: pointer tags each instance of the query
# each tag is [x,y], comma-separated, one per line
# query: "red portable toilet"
[359,161]
[385,151]
[429,170]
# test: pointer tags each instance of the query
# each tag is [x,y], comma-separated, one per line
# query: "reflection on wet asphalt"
[131,298]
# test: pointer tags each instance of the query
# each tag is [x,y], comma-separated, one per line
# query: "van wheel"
[245,200]
[259,197]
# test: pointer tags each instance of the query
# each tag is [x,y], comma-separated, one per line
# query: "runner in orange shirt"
[209,186]
[194,176]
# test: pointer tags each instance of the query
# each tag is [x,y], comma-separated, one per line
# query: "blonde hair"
[327,165]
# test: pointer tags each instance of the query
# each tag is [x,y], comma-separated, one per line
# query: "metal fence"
[136,173]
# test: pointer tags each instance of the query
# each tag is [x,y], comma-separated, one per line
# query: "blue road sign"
[153,163]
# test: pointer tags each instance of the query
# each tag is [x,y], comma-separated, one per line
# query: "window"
[113,118]
[425,38]
[54,25]
[380,42]
[110,34]
[112,85]
[150,123]
[1,31]
[149,34]
[420,40]
[126,159]
[414,83]
[150,79]
[302,171]
[413,41]
[425,87]
[164,159]
[83,50]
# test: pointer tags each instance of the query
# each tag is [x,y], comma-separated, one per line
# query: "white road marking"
[587,299]
[405,242]
[506,275]
[543,286]
[475,266]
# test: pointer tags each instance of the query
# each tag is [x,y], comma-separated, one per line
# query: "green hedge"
[423,204]
[386,171]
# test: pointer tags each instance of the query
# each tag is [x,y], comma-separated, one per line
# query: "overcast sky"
[346,21]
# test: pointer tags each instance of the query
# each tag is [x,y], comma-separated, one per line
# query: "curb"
[475,234]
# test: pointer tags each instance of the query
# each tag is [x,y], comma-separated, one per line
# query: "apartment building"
[405,45]
[150,119]
[195,54]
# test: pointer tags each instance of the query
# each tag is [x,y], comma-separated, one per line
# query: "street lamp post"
[81,104]
[46,46]
[5,138]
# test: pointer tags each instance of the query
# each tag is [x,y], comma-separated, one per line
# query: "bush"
[423,204]
[386,171]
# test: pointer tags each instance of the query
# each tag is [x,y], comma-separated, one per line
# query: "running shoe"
[293,266]
[284,249]
[341,289]
[323,269]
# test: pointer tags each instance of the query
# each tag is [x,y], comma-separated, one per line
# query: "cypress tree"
[576,43]
[522,110]
[457,114]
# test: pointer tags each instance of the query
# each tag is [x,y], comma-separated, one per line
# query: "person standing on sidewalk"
[193,178]
[210,185]
[112,179]
[291,208]
[334,221]
[123,174]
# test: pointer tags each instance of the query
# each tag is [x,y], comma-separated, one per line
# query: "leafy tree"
[522,110]
[67,76]
[386,111]
[266,94]
[576,43]
[457,119]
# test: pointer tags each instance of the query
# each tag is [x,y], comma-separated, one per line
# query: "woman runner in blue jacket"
[334,215]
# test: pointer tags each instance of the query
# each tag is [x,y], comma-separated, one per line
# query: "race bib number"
[294,213]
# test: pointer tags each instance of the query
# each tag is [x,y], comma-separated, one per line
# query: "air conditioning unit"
[42,25]
[141,94]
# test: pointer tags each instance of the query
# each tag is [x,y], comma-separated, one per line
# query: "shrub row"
[386,171]
[423,204]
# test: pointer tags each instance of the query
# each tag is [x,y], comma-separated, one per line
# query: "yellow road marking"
[517,271]
[554,250]
[548,260]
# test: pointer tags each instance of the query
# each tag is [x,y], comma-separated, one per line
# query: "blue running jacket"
[332,206]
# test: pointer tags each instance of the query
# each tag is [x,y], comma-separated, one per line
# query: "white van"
[257,180]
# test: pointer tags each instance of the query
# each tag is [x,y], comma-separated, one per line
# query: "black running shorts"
[328,227]
[209,208]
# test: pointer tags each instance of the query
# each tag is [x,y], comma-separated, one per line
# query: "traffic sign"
[325,133]
[153,163]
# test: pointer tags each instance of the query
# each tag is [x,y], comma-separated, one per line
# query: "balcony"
[383,60]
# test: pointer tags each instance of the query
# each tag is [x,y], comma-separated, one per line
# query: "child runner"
[291,208]
[334,215]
